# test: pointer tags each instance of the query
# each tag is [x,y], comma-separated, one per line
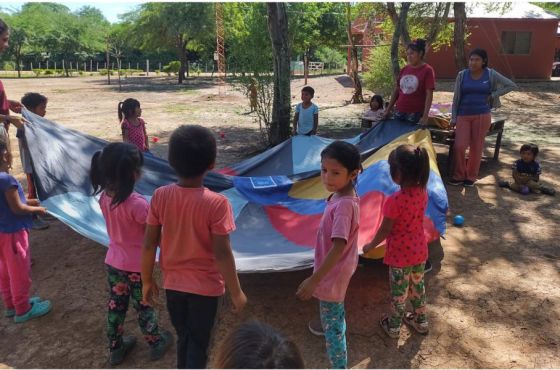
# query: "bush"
[49,72]
[9,66]
[379,76]
[38,71]
[172,67]
[330,57]
[103,72]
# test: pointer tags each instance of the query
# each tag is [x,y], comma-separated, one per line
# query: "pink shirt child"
[340,220]
[136,134]
[126,224]
[189,217]
[406,243]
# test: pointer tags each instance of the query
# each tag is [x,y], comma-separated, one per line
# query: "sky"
[111,10]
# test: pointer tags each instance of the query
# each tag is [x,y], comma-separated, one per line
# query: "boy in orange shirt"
[191,224]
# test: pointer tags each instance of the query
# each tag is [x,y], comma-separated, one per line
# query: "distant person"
[306,118]
[15,262]
[413,94]
[406,247]
[114,172]
[133,127]
[254,345]
[477,91]
[336,251]
[191,224]
[375,113]
[252,92]
[526,173]
[36,103]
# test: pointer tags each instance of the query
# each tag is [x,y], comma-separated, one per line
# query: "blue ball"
[458,220]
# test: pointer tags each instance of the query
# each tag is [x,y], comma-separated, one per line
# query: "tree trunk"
[182,54]
[405,36]
[18,64]
[278,31]
[357,96]
[439,21]
[459,30]
[187,66]
[399,27]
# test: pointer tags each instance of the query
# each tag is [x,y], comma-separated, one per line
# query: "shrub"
[379,76]
[38,71]
[49,72]
[172,67]
[9,66]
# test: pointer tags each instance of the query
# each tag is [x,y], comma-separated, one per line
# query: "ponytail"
[119,111]
[115,169]
[412,164]
[424,166]
[96,175]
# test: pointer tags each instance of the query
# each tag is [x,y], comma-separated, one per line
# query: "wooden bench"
[447,137]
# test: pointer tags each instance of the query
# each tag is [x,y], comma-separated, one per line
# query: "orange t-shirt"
[189,217]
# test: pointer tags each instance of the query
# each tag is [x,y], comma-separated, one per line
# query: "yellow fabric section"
[313,188]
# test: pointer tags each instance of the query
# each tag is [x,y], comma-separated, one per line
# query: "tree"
[174,25]
[18,43]
[357,95]
[459,31]
[401,31]
[278,31]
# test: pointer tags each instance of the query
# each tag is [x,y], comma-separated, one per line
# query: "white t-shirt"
[305,120]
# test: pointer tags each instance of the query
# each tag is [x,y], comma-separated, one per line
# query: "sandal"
[410,319]
[392,333]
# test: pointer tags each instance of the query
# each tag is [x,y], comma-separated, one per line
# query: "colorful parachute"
[277,196]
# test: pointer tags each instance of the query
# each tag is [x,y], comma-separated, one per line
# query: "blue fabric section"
[259,247]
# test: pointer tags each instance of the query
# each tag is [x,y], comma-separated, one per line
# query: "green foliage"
[9,66]
[172,67]
[550,7]
[379,76]
[330,57]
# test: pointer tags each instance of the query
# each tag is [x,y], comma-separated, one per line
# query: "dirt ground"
[493,295]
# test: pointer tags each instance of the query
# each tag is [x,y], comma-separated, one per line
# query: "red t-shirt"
[189,217]
[413,83]
[406,243]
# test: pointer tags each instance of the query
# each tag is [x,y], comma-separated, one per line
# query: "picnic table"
[447,137]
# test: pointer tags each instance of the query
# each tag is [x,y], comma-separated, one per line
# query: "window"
[516,42]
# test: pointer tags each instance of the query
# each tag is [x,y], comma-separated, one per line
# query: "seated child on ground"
[114,172]
[37,104]
[375,113]
[306,119]
[15,263]
[191,224]
[255,345]
[526,173]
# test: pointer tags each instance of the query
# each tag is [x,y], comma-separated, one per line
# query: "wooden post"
[31,66]
[97,66]
[305,67]
[107,61]
[147,67]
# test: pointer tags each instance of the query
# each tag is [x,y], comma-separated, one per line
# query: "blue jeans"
[409,117]
[334,326]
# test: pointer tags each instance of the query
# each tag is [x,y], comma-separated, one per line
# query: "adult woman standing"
[415,87]
[477,91]
[5,104]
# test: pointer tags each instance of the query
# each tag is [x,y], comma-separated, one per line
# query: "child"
[37,104]
[407,249]
[526,173]
[114,172]
[133,127]
[15,220]
[255,345]
[336,251]
[375,113]
[191,224]
[306,119]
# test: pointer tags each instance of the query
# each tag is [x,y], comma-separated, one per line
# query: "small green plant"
[379,76]
[49,72]
[172,67]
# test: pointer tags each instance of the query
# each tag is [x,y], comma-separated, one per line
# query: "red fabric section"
[227,171]
[299,229]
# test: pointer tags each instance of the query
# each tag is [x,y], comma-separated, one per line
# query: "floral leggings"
[334,325]
[407,282]
[123,286]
